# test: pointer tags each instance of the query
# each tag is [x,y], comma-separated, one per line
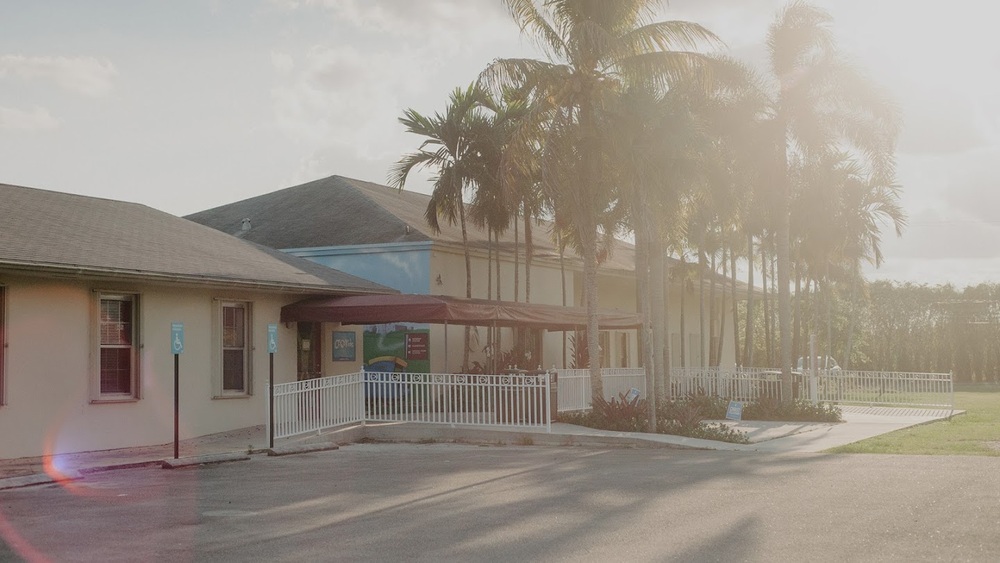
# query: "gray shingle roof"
[339,211]
[52,231]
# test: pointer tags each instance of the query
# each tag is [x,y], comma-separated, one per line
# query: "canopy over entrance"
[441,309]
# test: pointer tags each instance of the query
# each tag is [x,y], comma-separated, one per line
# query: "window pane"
[116,322]
[233,369]
[233,327]
[116,370]
[117,351]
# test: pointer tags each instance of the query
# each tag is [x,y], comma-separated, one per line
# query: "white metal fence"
[312,405]
[506,401]
[525,400]
[752,384]
[887,388]
[575,391]
[491,400]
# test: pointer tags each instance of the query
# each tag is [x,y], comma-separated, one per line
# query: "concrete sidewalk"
[774,437]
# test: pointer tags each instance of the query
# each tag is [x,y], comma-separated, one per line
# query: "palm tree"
[450,148]
[821,104]
[839,224]
[593,48]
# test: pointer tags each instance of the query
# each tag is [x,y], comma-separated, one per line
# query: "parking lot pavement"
[765,436]
[447,502]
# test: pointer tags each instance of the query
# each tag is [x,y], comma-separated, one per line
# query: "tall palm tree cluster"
[631,126]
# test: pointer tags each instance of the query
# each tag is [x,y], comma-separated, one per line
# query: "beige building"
[380,233]
[90,290]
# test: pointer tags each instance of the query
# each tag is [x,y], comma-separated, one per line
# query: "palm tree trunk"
[798,319]
[468,283]
[732,296]
[517,264]
[489,291]
[722,313]
[529,250]
[642,288]
[701,305]
[496,256]
[562,278]
[852,324]
[711,312]
[748,340]
[768,335]
[657,305]
[590,298]
[683,328]
[784,267]
[667,352]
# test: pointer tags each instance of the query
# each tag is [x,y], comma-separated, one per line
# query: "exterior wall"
[340,367]
[49,329]
[402,266]
[693,329]
[417,268]
[449,267]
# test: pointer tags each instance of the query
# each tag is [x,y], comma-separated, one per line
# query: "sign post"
[177,347]
[272,347]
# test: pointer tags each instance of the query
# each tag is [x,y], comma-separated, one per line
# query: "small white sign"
[735,411]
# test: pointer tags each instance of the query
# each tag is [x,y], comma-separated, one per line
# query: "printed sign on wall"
[344,346]
[416,345]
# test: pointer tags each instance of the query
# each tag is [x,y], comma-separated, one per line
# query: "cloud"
[282,62]
[89,76]
[37,119]
[340,100]
[420,19]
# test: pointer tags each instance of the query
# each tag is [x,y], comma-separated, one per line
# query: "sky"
[184,105]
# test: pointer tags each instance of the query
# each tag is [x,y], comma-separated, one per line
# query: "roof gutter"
[68,271]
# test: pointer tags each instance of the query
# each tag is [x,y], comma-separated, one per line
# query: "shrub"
[767,408]
[679,418]
[622,415]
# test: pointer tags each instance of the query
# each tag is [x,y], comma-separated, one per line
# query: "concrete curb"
[203,460]
[292,449]
[433,433]
[36,479]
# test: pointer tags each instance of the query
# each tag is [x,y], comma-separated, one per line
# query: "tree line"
[889,326]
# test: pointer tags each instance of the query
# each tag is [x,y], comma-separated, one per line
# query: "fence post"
[550,386]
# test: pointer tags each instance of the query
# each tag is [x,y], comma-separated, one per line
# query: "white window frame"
[98,395]
[220,348]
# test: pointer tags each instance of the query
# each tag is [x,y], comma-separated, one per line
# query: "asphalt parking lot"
[447,502]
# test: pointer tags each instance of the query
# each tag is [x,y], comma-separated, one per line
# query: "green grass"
[977,432]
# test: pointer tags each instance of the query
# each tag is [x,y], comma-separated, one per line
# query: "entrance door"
[310,350]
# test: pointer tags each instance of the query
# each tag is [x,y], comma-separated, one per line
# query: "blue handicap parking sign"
[176,338]
[272,338]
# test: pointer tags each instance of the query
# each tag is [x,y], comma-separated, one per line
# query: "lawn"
[977,432]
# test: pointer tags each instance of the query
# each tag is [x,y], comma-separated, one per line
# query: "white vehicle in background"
[823,364]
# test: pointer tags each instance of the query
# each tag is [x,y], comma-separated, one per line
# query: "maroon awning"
[441,309]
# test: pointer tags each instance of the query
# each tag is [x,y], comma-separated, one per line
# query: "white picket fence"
[500,401]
